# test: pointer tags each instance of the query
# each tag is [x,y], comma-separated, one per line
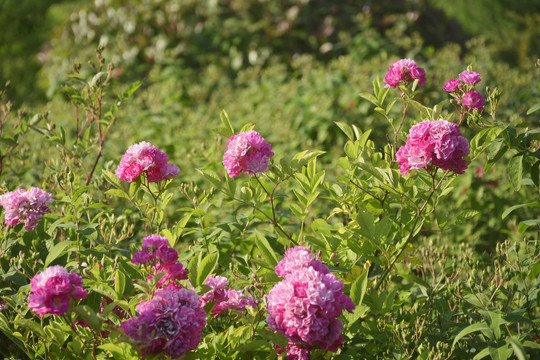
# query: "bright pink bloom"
[154,242]
[28,206]
[247,152]
[305,306]
[474,100]
[225,298]
[406,71]
[451,85]
[170,323]
[470,77]
[297,258]
[437,142]
[298,353]
[52,289]
[145,158]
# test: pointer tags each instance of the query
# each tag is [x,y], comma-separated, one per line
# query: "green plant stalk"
[413,230]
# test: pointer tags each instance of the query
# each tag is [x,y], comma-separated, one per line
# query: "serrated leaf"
[266,250]
[89,315]
[369,97]
[112,179]
[206,266]
[117,193]
[226,122]
[119,283]
[515,171]
[57,251]
[466,215]
[469,330]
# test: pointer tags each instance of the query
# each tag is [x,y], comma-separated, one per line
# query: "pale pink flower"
[145,158]
[305,306]
[27,206]
[170,323]
[225,299]
[406,71]
[434,142]
[247,152]
[52,289]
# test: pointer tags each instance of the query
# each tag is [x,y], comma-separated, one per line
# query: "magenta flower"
[437,142]
[27,206]
[406,71]
[473,100]
[470,77]
[247,152]
[145,158]
[170,323]
[52,289]
[225,298]
[160,258]
[305,306]
[451,85]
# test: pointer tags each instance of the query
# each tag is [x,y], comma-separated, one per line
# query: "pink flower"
[297,258]
[247,152]
[406,71]
[451,85]
[145,158]
[170,323]
[28,206]
[225,298]
[470,77]
[474,100]
[305,306]
[437,142]
[160,259]
[52,289]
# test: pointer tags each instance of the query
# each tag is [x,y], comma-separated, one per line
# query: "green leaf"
[206,266]
[512,208]
[89,315]
[533,108]
[32,326]
[369,97]
[524,225]
[466,215]
[226,122]
[347,130]
[119,283]
[358,289]
[131,89]
[57,251]
[117,193]
[535,270]
[212,176]
[519,351]
[515,171]
[112,179]
[266,250]
[469,330]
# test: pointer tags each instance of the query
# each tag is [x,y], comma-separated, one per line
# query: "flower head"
[470,77]
[27,206]
[406,71]
[473,100]
[434,142]
[52,289]
[305,306]
[225,298]
[247,152]
[145,158]
[451,85]
[171,322]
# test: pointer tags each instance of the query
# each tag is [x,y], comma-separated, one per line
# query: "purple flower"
[437,142]
[154,242]
[27,206]
[52,289]
[305,306]
[474,100]
[145,158]
[170,323]
[470,77]
[451,85]
[406,71]
[225,298]
[247,152]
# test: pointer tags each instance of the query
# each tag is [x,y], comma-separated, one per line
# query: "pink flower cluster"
[404,71]
[223,297]
[437,142]
[305,306]
[145,158]
[170,323]
[160,258]
[463,89]
[28,206]
[247,152]
[52,289]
